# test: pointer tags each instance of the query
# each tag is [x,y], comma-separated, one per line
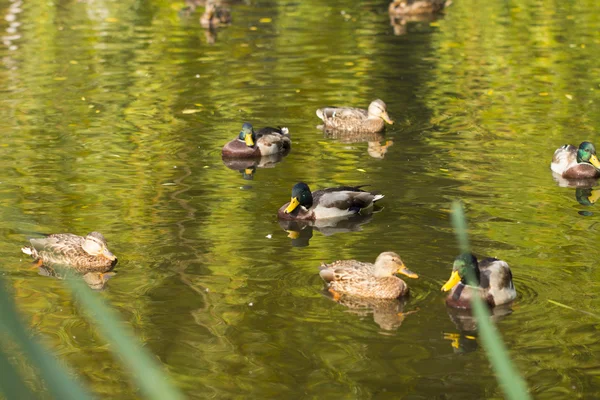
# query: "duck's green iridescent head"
[460,270]
[301,196]
[587,153]
[247,134]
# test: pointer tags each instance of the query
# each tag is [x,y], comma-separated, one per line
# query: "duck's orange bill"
[387,118]
[595,162]
[405,271]
[293,204]
[248,140]
[453,281]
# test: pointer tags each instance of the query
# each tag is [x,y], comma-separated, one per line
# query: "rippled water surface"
[113,114]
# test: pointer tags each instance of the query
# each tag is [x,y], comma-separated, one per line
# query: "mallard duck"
[82,254]
[265,142]
[356,278]
[356,119]
[493,277]
[215,14]
[576,163]
[416,7]
[326,203]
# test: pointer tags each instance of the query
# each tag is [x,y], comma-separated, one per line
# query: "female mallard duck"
[215,14]
[493,277]
[326,203]
[265,142]
[576,163]
[416,7]
[82,254]
[356,119]
[356,278]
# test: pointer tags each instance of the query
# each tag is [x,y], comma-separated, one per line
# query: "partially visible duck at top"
[265,142]
[356,119]
[326,203]
[416,7]
[571,162]
[493,278]
[215,14]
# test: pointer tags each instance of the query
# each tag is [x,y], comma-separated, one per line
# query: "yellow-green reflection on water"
[95,138]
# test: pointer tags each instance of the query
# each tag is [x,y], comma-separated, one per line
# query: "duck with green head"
[572,162]
[251,144]
[356,119]
[493,280]
[326,203]
[360,279]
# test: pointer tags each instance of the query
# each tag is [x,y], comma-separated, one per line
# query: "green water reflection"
[113,116]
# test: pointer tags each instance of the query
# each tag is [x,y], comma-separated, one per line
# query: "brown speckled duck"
[360,279]
[493,277]
[416,7]
[215,14]
[336,202]
[571,162]
[356,119]
[81,254]
[265,142]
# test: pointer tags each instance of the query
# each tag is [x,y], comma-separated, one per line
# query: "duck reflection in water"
[247,166]
[387,313]
[587,196]
[404,11]
[301,231]
[377,145]
[95,280]
[462,343]
[465,321]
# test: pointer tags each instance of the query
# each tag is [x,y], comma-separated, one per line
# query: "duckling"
[82,254]
[493,277]
[356,278]
[326,203]
[265,142]
[356,119]
[416,7]
[571,162]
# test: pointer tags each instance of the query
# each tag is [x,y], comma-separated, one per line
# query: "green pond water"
[112,118]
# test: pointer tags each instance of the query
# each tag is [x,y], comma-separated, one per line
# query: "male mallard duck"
[493,276]
[356,119]
[265,142]
[215,14]
[82,254]
[326,203]
[576,163]
[356,278]
[416,7]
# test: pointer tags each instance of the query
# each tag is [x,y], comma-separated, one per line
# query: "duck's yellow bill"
[293,204]
[594,161]
[387,118]
[453,281]
[106,253]
[405,271]
[248,171]
[248,140]
[293,234]
[594,196]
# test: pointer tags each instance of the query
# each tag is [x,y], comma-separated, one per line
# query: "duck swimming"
[357,278]
[81,254]
[571,162]
[356,119]
[265,142]
[493,277]
[326,203]
[416,7]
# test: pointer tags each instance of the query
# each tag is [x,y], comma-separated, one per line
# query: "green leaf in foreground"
[512,384]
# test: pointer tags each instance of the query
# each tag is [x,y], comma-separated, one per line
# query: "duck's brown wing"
[342,113]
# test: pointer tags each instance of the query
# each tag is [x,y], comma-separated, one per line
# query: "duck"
[572,162]
[265,142]
[356,119]
[327,203]
[77,253]
[493,278]
[361,279]
[416,7]
[215,14]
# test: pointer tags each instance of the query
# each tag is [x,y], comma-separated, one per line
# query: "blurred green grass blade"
[59,382]
[11,383]
[512,384]
[148,374]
